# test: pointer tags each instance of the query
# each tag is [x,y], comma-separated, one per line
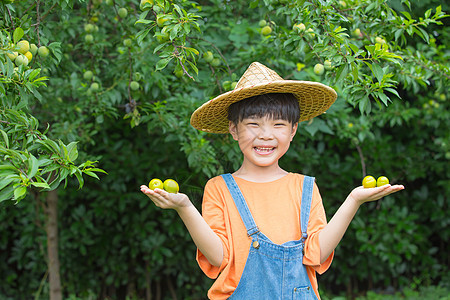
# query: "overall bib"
[273,271]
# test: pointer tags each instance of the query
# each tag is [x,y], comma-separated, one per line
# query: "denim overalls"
[273,271]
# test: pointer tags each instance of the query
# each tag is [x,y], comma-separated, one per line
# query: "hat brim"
[314,99]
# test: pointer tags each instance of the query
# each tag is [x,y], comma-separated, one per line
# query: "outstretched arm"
[333,232]
[203,236]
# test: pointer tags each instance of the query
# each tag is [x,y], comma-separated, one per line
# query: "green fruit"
[43,51]
[327,65]
[319,69]
[143,5]
[382,180]
[266,30]
[24,46]
[137,76]
[33,49]
[179,73]
[88,75]
[215,62]
[160,20]
[29,55]
[208,56]
[171,186]
[19,60]
[134,85]
[311,32]
[122,12]
[155,183]
[162,37]
[380,40]
[12,56]
[357,32]
[89,38]
[369,182]
[262,23]
[94,86]
[127,43]
[233,85]
[226,85]
[299,27]
[89,28]
[109,2]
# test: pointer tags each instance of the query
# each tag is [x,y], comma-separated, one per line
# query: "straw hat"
[314,98]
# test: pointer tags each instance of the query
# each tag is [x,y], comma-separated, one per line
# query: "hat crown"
[257,74]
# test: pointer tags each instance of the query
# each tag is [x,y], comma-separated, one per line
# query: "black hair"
[282,106]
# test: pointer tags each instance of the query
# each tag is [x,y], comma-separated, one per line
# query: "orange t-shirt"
[275,207]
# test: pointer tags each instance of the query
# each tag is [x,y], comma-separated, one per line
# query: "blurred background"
[103,105]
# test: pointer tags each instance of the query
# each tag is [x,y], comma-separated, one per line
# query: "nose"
[265,133]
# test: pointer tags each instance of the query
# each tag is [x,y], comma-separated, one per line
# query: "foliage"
[388,63]
[29,157]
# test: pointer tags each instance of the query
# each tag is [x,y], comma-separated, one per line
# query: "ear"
[232,128]
[294,130]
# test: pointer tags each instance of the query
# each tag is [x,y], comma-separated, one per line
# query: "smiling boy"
[263,232]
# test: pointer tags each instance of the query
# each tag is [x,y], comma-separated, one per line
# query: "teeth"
[263,148]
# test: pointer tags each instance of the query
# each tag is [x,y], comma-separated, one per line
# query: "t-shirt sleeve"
[317,221]
[213,211]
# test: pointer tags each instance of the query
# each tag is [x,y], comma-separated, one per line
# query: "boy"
[264,233]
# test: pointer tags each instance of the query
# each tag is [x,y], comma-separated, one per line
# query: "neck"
[260,174]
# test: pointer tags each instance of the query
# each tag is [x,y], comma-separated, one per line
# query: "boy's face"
[263,141]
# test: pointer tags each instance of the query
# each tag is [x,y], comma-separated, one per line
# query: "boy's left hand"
[361,195]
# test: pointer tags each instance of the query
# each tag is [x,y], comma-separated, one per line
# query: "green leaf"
[5,138]
[18,34]
[6,193]
[43,185]
[341,74]
[393,91]
[192,50]
[6,181]
[33,166]
[6,170]
[174,32]
[355,71]
[377,72]
[20,192]
[385,99]
[254,4]
[72,151]
[92,174]
[98,170]
[33,74]
[161,64]
[364,105]
[407,15]
[79,176]
[398,33]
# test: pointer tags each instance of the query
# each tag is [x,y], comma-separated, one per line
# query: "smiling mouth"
[264,150]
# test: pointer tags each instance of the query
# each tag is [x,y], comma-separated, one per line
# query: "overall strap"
[241,205]
[308,185]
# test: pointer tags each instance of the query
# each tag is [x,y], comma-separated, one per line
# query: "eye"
[251,123]
[280,124]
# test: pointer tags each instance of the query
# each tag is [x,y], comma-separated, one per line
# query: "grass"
[417,293]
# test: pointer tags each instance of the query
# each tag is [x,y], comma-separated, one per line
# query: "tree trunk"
[52,245]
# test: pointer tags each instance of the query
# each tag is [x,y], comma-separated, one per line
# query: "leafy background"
[391,118]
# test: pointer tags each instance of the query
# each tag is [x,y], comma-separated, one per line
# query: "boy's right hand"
[166,200]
